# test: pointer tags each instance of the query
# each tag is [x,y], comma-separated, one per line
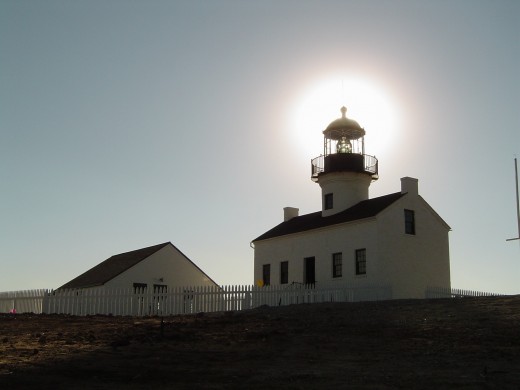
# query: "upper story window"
[266,274]
[284,272]
[337,265]
[361,261]
[328,201]
[409,221]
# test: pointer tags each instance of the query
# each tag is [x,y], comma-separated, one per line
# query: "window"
[361,261]
[409,221]
[336,265]
[266,274]
[328,201]
[284,272]
[160,288]
[140,288]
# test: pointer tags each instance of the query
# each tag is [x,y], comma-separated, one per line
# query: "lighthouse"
[344,172]
[393,246]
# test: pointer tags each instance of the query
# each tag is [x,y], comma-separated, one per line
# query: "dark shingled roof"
[365,209]
[110,268]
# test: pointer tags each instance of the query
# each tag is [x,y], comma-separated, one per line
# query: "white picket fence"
[25,301]
[444,292]
[189,300]
[184,300]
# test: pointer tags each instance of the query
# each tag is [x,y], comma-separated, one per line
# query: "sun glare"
[366,103]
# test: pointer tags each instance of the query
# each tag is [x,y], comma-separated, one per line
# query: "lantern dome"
[344,127]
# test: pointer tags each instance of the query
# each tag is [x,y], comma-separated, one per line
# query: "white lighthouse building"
[395,240]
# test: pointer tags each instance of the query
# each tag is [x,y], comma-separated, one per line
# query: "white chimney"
[409,185]
[289,213]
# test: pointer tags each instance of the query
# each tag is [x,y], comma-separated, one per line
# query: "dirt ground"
[468,343]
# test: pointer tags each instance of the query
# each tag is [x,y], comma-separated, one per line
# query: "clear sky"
[125,124]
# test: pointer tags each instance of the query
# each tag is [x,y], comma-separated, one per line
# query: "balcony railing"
[344,162]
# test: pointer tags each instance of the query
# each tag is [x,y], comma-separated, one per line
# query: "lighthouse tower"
[344,172]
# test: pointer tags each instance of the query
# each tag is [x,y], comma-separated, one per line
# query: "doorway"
[309,274]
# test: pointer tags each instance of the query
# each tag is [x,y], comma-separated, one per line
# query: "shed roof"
[111,267]
[364,209]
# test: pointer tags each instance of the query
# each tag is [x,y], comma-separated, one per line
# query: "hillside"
[469,343]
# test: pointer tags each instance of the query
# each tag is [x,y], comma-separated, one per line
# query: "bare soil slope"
[469,343]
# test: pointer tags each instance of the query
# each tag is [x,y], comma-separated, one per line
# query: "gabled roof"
[111,267]
[365,209]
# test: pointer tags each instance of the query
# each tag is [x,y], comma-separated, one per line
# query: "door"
[309,275]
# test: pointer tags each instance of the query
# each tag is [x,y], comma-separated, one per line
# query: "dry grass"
[470,343]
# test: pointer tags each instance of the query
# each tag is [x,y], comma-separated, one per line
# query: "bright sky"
[124,124]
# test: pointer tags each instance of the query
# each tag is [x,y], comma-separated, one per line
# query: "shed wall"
[167,267]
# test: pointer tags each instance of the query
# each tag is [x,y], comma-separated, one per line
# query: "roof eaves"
[362,210]
[320,228]
[435,214]
[196,266]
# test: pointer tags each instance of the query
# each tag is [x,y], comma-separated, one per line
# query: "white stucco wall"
[413,262]
[167,264]
[321,244]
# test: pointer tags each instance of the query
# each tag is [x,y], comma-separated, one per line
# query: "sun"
[367,103]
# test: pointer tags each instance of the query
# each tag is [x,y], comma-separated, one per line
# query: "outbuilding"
[159,267]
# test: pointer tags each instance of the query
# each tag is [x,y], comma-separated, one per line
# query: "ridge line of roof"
[93,277]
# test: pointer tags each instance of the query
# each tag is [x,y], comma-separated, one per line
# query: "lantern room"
[344,150]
